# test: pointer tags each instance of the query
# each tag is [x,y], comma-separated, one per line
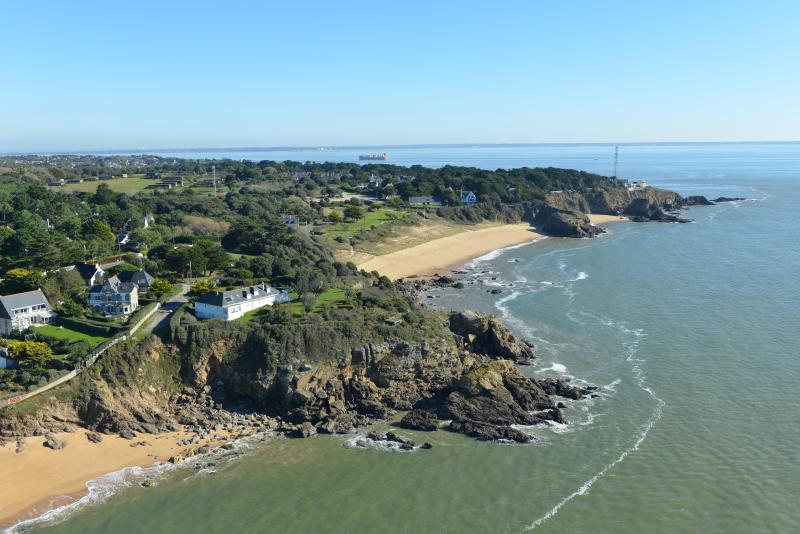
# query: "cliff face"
[564,215]
[465,374]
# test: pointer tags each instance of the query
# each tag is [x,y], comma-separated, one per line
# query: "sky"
[134,75]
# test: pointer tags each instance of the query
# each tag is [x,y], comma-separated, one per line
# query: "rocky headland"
[466,380]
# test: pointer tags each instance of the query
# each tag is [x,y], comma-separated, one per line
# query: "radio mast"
[616,160]
[214,178]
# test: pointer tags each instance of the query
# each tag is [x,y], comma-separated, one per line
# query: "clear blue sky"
[105,75]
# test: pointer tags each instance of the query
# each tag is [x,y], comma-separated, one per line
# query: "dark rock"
[305,430]
[491,398]
[127,434]
[487,432]
[420,420]
[697,200]
[495,291]
[426,445]
[728,199]
[53,442]
[562,388]
[487,335]
[94,437]
[566,223]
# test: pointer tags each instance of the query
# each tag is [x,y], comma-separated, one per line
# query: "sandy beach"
[598,219]
[447,253]
[39,479]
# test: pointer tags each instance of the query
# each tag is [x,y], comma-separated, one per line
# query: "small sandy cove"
[444,254]
[39,479]
[447,253]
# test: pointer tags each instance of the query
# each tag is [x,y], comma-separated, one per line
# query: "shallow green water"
[692,331]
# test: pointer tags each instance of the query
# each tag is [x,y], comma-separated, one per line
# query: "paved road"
[161,317]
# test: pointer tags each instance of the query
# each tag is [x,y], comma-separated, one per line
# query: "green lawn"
[59,332]
[372,218]
[332,297]
[130,185]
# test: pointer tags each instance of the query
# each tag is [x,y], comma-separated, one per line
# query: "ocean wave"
[498,252]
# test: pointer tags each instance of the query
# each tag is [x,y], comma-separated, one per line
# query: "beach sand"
[600,219]
[39,479]
[446,253]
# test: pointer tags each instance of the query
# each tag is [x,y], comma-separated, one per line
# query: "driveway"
[162,316]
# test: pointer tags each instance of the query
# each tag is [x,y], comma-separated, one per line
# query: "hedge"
[90,327]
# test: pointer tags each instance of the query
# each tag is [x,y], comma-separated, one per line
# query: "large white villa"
[232,304]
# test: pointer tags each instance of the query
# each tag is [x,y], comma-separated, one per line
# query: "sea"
[691,332]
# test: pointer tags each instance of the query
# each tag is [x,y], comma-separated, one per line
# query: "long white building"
[232,304]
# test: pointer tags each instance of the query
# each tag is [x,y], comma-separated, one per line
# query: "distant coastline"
[323,148]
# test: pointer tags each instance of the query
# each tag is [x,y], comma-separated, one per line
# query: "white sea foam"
[366,443]
[497,253]
[557,367]
[631,347]
[99,490]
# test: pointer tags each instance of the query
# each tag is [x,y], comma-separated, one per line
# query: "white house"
[23,310]
[229,305]
[637,185]
[468,197]
[91,273]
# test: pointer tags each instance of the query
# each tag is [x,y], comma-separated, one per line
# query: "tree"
[202,286]
[335,216]
[309,300]
[94,228]
[20,279]
[353,212]
[160,287]
[33,353]
[103,195]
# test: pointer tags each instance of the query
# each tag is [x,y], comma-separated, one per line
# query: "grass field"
[372,218]
[329,298]
[130,185]
[59,332]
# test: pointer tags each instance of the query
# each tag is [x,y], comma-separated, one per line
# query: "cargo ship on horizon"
[374,157]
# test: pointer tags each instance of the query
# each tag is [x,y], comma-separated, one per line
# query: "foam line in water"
[638,372]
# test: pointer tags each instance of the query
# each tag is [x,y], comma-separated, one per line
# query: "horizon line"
[277,148]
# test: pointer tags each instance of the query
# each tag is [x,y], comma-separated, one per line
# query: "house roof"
[237,296]
[9,303]
[87,270]
[140,277]
[423,198]
[113,285]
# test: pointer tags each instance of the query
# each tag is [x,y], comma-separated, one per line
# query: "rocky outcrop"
[420,420]
[486,335]
[488,400]
[728,199]
[640,210]
[565,223]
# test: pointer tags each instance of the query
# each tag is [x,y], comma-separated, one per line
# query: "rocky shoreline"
[472,386]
